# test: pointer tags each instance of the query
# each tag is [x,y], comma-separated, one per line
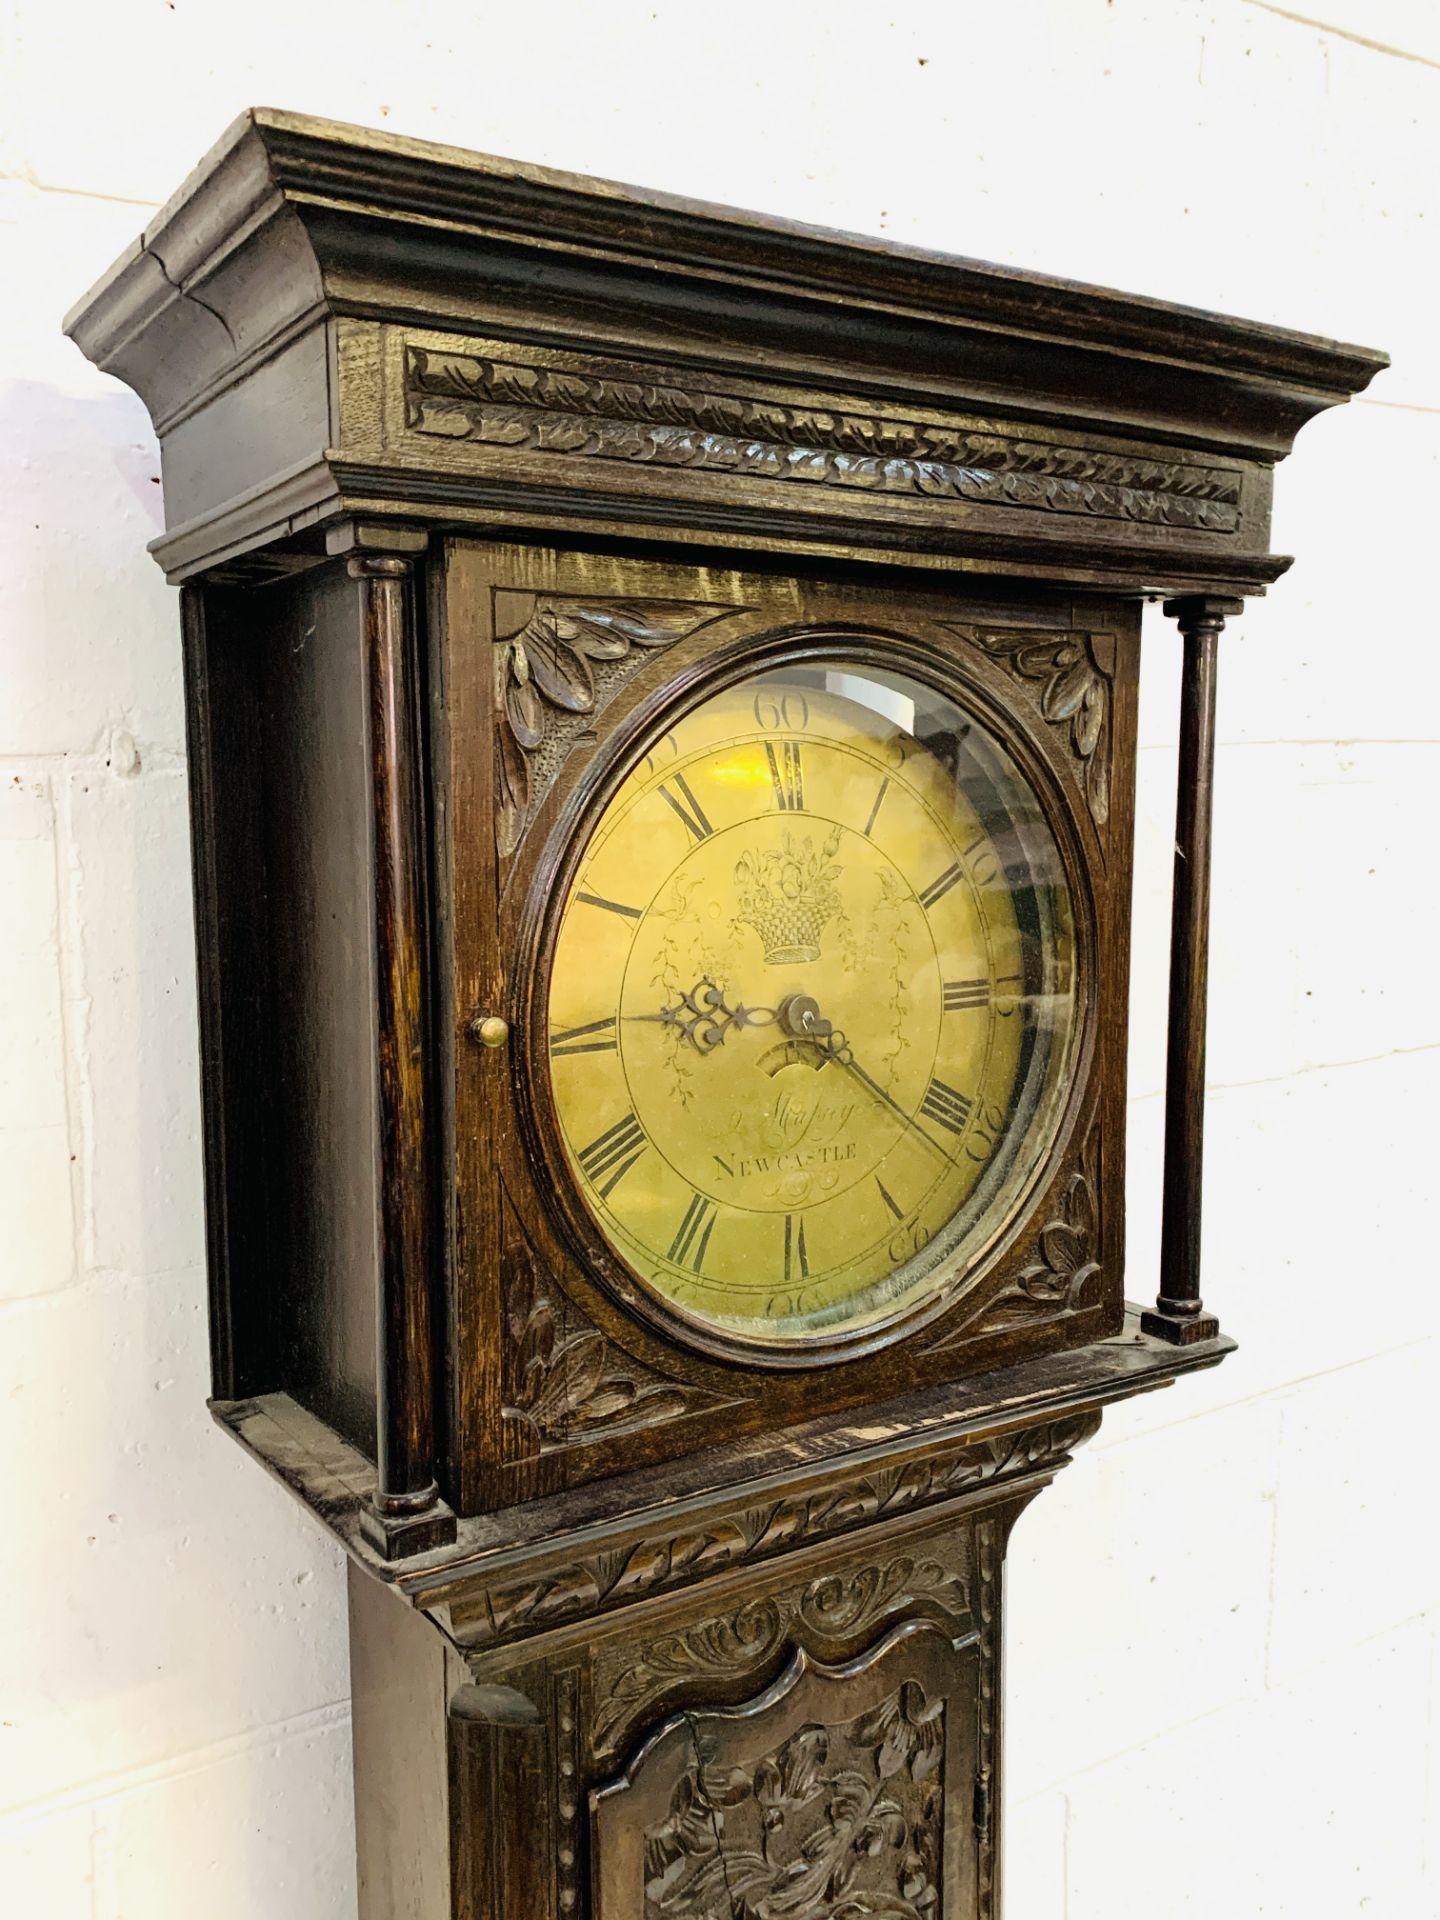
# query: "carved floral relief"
[1063,1274]
[502,1606]
[1073,672]
[569,1383]
[836,1823]
[551,655]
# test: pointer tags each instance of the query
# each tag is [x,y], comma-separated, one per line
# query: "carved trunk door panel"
[839,1793]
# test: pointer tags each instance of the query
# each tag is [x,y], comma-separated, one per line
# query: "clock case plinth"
[415,408]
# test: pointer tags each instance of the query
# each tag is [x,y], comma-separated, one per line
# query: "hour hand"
[702,1016]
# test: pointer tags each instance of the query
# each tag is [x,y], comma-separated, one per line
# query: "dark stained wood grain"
[472,1113]
[232,967]
[719,622]
[1179,1315]
[407,1492]
[568,1758]
[317,1092]
[280,825]
[658,1608]
[504,1856]
[401,1675]
[965,414]
[638,1517]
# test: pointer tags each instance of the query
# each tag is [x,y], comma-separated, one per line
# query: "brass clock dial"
[810,1004]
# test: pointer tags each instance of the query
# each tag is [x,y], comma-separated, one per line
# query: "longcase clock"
[662,719]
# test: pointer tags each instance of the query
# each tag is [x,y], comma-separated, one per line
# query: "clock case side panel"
[558,1379]
[276,731]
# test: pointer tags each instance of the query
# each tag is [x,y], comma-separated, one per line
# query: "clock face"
[811,1004]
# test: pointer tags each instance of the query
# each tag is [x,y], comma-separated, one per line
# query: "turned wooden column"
[1179,1315]
[408,1515]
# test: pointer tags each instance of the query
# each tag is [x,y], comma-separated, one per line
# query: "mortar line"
[1395,406]
[82,193]
[1344,33]
[105,1278]
[100,1788]
[1273,1390]
[1236,1703]
[1299,740]
[78,1106]
[1295,1073]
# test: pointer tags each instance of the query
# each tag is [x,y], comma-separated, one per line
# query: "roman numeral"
[984,861]
[598,1037]
[611,906]
[875,810]
[886,1198]
[940,886]
[687,808]
[786,776]
[946,1107]
[796,1258]
[614,1153]
[960,994]
[693,1235]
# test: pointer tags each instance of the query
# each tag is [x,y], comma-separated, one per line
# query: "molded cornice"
[270,311]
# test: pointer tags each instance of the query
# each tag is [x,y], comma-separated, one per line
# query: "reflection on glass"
[811,1003]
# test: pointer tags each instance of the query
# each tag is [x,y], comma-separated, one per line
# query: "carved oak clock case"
[712,1221]
[662,717]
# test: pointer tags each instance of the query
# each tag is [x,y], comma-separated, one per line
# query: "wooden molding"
[1026,422]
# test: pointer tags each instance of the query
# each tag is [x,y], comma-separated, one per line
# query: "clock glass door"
[812,1005]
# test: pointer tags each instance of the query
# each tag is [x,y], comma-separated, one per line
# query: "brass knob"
[490,1030]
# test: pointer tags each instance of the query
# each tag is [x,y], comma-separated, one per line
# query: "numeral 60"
[784,712]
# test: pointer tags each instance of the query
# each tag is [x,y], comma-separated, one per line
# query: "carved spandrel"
[559,661]
[1070,675]
[1063,1273]
[566,1382]
[835,1793]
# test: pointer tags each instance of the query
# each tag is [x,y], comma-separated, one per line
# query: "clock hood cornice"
[380,327]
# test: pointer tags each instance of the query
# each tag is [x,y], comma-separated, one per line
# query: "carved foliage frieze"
[503,1607]
[650,417]
[1071,674]
[839,1822]
[566,1382]
[711,1650]
[838,1604]
[558,658]
[630,1681]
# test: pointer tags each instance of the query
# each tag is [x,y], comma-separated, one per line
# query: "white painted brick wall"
[1222,1678]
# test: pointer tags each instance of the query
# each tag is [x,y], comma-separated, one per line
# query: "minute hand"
[842,1053]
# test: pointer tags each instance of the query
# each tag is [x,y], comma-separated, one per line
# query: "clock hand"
[847,1059]
[800,1016]
[703,1018]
